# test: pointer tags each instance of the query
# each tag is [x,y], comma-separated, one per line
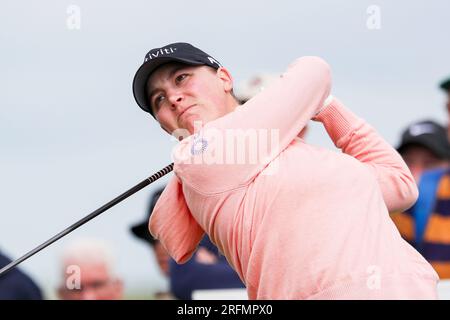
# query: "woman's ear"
[226,78]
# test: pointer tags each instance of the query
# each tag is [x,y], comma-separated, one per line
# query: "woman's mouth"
[184,111]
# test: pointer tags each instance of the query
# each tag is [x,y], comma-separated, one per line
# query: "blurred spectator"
[424,146]
[430,220]
[16,285]
[87,268]
[207,269]
[431,213]
[252,86]
[427,224]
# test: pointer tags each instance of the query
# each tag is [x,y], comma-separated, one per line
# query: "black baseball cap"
[174,52]
[140,230]
[427,134]
[445,85]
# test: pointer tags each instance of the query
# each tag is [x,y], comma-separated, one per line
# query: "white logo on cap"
[419,129]
[160,52]
[212,60]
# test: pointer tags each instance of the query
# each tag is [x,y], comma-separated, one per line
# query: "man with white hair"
[88,272]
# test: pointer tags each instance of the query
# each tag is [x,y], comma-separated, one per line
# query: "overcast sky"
[72,137]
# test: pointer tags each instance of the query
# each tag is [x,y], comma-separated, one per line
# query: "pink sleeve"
[358,139]
[173,224]
[277,114]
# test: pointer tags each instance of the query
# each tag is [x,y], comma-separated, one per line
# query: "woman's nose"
[175,98]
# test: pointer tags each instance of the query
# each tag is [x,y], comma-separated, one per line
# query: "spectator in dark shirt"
[16,285]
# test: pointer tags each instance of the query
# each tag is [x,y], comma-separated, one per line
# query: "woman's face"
[419,159]
[181,95]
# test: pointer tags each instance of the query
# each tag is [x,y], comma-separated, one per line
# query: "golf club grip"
[92,215]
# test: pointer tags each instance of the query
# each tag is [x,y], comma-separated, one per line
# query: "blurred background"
[72,137]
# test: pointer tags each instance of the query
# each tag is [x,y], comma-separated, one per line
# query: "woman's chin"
[193,124]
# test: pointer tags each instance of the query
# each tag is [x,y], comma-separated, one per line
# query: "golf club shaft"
[92,215]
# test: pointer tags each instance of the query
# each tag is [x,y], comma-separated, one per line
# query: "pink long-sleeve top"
[300,222]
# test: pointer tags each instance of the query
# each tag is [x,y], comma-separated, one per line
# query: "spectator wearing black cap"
[427,224]
[424,146]
[207,269]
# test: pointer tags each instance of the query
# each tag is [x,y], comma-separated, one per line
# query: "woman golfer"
[294,220]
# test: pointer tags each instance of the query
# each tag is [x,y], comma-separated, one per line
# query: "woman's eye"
[157,101]
[181,77]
